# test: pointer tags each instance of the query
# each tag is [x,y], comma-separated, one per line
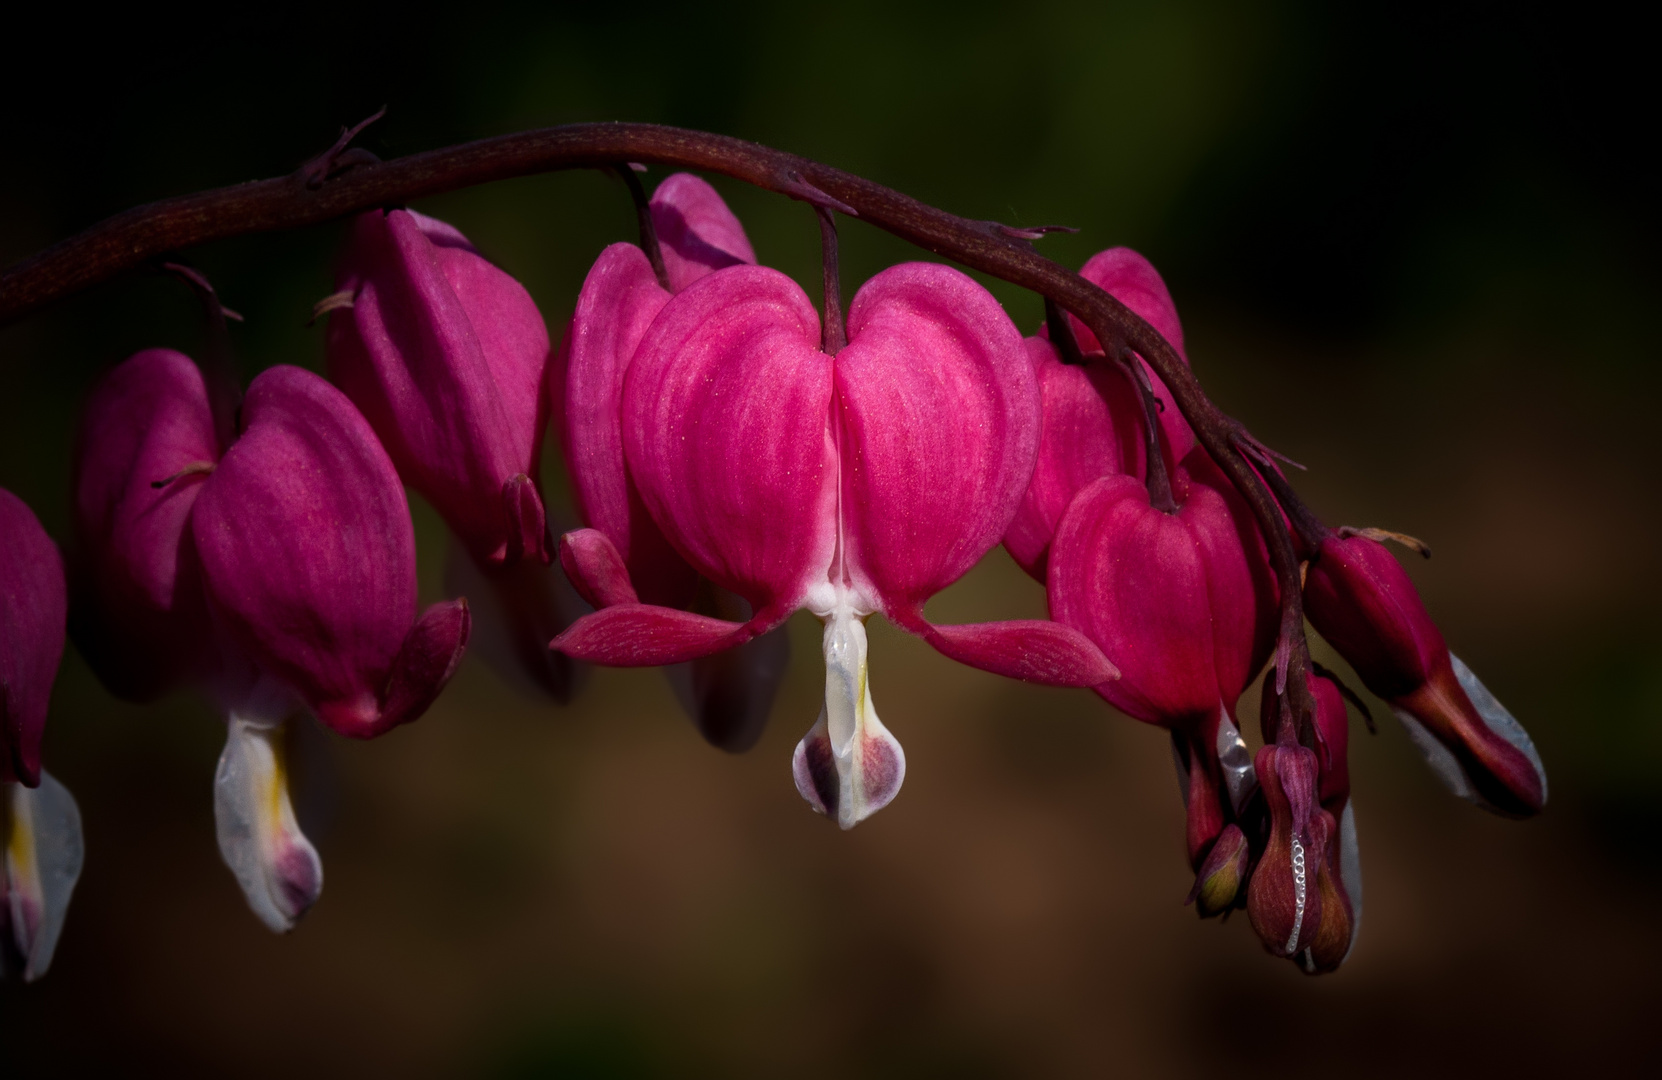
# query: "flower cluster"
[736,455]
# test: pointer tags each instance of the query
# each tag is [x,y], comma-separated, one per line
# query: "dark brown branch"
[643,219]
[138,236]
[833,333]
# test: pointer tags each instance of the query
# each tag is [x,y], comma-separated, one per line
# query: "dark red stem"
[643,219]
[833,331]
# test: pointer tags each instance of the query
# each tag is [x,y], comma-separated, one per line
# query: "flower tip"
[1218,884]
[526,521]
[595,569]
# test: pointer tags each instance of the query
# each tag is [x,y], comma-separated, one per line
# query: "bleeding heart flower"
[445,355]
[1185,604]
[1361,600]
[848,484]
[728,696]
[42,825]
[297,538]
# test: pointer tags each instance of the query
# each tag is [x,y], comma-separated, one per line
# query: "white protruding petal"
[1500,721]
[1238,775]
[1350,871]
[848,766]
[1439,757]
[43,861]
[275,864]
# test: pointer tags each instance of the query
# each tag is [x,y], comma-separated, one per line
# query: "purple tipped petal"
[645,635]
[620,298]
[259,839]
[940,413]
[33,607]
[425,663]
[697,233]
[596,569]
[1032,650]
[146,445]
[445,354]
[43,857]
[1092,426]
[725,425]
[307,548]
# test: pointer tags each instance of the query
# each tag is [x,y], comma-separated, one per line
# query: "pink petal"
[33,609]
[595,569]
[1133,281]
[725,426]
[445,354]
[1091,426]
[940,417]
[306,545]
[697,233]
[645,635]
[1033,650]
[426,661]
[620,298]
[1133,580]
[139,612]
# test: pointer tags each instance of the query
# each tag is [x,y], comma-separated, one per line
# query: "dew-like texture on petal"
[1091,426]
[697,233]
[1133,579]
[33,609]
[1132,280]
[726,412]
[940,418]
[307,547]
[619,300]
[445,355]
[139,616]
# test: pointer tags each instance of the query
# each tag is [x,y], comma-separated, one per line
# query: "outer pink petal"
[139,614]
[1133,281]
[644,635]
[725,425]
[1133,580]
[697,233]
[307,548]
[940,418]
[1032,650]
[620,298]
[595,569]
[445,355]
[1091,427]
[33,608]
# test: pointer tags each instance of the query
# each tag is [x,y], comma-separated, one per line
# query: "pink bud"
[1283,900]
[445,355]
[1361,600]
[32,613]
[309,558]
[146,445]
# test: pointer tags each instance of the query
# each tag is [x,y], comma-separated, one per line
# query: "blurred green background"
[1412,245]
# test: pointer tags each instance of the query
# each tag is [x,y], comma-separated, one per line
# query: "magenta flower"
[445,355]
[298,538]
[1185,603]
[1361,600]
[43,847]
[728,695]
[846,485]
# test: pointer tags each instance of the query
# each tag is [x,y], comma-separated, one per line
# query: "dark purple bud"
[1222,875]
[1282,900]
[446,355]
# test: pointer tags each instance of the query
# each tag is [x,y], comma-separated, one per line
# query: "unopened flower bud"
[1283,901]
[1222,874]
[1361,600]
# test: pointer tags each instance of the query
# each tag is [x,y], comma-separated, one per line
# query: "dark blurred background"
[1412,246]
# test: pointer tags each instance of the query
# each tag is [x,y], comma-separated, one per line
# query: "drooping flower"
[297,540]
[1184,602]
[1360,599]
[727,695]
[43,846]
[845,484]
